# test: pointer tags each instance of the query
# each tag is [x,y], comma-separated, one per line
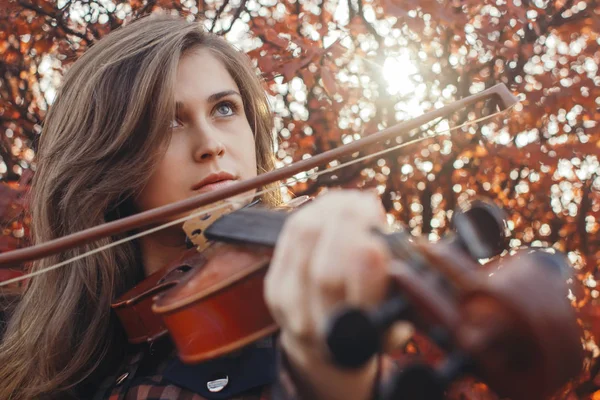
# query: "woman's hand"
[326,256]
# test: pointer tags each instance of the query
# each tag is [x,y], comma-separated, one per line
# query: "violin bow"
[505,100]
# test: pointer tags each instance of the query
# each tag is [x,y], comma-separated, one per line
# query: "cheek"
[251,158]
[154,193]
[162,187]
[245,154]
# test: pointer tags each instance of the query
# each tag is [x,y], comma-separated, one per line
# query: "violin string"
[291,181]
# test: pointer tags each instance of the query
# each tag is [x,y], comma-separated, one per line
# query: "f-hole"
[175,274]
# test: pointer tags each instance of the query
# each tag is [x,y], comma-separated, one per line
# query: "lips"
[214,181]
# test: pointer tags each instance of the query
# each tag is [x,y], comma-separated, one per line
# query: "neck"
[160,248]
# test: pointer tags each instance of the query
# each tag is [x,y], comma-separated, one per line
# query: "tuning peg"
[481,228]
[354,335]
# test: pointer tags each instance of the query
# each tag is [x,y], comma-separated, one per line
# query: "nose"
[207,145]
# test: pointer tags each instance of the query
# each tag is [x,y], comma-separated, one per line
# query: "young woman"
[156,112]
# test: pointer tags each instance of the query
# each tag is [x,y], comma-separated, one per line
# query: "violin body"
[218,307]
[210,299]
[134,308]
[143,323]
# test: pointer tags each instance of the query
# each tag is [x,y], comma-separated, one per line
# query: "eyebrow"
[212,98]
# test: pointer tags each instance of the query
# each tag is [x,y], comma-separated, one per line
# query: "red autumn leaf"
[329,82]
[337,50]
[308,78]
[272,36]
[43,45]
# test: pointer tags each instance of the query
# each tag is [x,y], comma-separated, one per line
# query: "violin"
[492,321]
[494,327]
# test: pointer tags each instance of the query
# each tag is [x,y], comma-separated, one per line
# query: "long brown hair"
[101,138]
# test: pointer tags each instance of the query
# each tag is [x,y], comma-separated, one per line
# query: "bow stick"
[506,100]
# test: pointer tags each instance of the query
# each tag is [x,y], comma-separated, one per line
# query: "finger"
[350,266]
[326,273]
[288,277]
[345,244]
[368,280]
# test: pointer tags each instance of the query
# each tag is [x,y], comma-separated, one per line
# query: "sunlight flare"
[397,71]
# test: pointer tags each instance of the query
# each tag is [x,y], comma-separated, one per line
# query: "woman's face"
[212,144]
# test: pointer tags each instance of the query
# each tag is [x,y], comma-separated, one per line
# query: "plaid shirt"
[133,381]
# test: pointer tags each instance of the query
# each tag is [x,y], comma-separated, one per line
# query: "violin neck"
[248,226]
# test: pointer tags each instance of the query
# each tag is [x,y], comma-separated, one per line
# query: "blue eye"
[225,109]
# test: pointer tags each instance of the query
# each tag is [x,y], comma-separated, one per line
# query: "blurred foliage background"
[339,70]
